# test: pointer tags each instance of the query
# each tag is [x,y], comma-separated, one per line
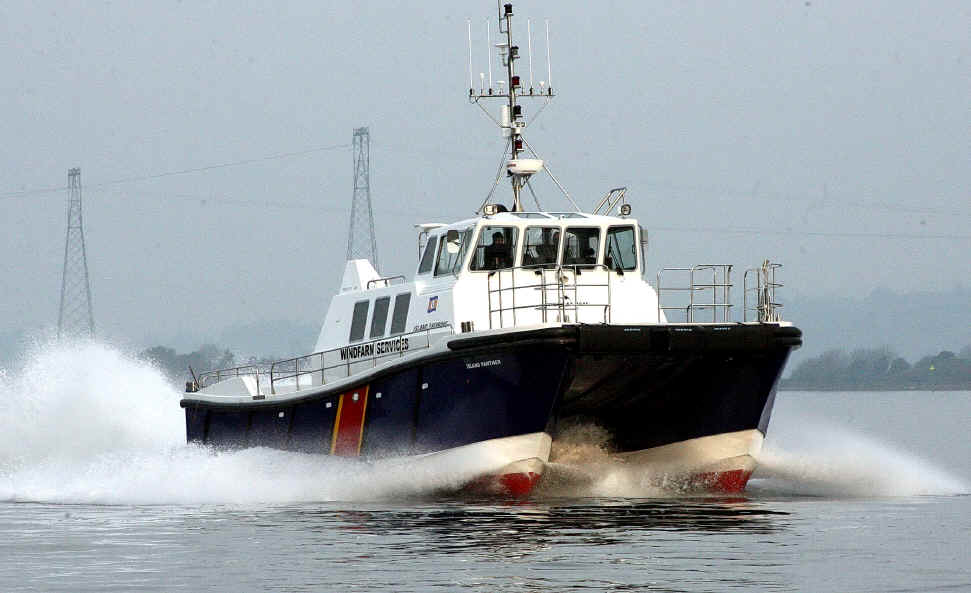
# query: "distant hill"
[910,324]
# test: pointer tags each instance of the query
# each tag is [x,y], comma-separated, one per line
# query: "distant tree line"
[881,369]
[176,366]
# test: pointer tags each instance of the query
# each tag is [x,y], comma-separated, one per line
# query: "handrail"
[765,309]
[397,345]
[613,196]
[387,280]
[564,300]
[243,370]
[720,291]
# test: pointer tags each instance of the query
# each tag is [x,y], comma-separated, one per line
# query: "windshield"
[581,246]
[540,246]
[494,250]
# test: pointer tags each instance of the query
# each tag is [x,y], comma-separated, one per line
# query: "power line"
[272,157]
[755,231]
[437,213]
[756,193]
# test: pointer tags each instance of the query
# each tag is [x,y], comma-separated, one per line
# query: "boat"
[520,329]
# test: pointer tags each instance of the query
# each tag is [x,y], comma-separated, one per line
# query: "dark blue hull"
[646,385]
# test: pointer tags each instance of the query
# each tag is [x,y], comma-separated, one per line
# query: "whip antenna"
[549,69]
[471,81]
[529,41]
[512,119]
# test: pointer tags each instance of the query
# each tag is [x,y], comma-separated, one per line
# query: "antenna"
[471,81]
[549,69]
[529,38]
[512,120]
[489,51]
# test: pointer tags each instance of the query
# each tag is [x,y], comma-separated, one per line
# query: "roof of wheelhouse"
[531,218]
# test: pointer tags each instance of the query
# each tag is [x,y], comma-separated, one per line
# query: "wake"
[843,463]
[84,423]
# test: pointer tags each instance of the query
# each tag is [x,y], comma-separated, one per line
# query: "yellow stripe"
[360,435]
[337,424]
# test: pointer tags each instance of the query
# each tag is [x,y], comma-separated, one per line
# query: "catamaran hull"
[665,397]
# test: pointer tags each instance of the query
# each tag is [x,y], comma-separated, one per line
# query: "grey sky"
[834,118]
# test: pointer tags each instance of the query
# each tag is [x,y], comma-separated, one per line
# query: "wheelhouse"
[536,240]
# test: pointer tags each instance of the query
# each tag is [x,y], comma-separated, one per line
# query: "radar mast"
[510,91]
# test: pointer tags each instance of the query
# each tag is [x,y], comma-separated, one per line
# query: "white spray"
[84,423]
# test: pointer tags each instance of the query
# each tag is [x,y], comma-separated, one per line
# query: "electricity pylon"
[76,317]
[361,241]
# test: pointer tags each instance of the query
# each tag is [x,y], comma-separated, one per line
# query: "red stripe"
[349,425]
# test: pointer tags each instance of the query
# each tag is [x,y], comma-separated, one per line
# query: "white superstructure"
[510,269]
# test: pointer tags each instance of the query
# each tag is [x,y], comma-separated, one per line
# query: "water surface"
[856,492]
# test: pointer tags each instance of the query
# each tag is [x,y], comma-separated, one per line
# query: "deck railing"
[328,365]
[759,293]
[706,286]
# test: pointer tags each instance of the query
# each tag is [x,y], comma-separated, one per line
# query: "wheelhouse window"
[621,248]
[580,246]
[380,319]
[359,320]
[495,249]
[540,246]
[399,319]
[428,258]
[451,252]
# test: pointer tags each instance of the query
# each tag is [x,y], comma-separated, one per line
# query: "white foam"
[829,460]
[84,423]
[581,466]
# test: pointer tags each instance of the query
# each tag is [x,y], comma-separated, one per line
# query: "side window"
[380,319]
[428,258]
[448,263]
[621,248]
[540,246]
[580,246]
[399,319]
[359,320]
[495,249]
